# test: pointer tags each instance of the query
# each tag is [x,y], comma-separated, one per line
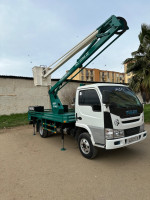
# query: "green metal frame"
[68,117]
[114,25]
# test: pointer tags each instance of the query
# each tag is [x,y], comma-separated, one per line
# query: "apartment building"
[127,77]
[96,75]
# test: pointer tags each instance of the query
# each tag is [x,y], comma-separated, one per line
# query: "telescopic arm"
[113,26]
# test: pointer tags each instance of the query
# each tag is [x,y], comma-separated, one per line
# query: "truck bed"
[68,117]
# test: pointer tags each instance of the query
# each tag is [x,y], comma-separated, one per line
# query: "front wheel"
[43,132]
[86,147]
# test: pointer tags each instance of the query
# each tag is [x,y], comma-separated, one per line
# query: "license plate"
[133,139]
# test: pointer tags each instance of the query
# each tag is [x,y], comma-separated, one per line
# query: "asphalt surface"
[35,168]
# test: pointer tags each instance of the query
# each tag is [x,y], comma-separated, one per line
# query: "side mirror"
[144,103]
[96,108]
[73,102]
[106,97]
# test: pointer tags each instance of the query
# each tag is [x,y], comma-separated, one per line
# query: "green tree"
[139,64]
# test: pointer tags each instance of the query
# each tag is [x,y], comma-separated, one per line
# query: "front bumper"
[122,142]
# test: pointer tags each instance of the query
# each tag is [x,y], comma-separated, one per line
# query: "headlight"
[142,128]
[118,133]
[113,133]
[109,133]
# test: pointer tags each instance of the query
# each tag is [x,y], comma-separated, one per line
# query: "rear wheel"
[86,147]
[43,132]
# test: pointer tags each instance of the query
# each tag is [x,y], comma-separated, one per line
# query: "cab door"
[89,113]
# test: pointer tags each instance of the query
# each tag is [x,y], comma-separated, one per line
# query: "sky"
[38,32]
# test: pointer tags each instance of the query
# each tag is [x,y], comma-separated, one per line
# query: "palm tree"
[139,64]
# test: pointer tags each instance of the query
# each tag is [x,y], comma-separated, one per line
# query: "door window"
[88,97]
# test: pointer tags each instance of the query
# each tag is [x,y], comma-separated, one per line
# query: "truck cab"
[111,115]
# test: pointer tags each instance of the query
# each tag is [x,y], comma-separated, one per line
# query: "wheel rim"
[85,146]
[41,130]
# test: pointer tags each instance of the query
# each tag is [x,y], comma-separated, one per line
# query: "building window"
[87,73]
[108,74]
[103,77]
[113,77]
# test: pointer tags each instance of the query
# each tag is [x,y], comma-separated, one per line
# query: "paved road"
[34,168]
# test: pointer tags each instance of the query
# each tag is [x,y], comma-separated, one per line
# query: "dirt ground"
[32,167]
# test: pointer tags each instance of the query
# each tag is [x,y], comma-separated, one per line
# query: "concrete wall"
[17,93]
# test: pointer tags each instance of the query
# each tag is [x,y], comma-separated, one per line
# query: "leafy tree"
[139,64]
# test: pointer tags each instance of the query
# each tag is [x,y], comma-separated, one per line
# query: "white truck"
[106,115]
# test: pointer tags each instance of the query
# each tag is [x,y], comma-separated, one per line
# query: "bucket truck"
[106,115]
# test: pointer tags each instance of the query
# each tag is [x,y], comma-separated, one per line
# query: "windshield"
[120,96]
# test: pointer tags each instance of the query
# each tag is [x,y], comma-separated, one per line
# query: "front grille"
[131,131]
[130,121]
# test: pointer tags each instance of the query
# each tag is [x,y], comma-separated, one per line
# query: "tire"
[86,147]
[43,133]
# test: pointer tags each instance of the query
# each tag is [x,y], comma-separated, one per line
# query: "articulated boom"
[114,25]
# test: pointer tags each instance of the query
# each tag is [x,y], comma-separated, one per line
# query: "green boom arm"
[114,25]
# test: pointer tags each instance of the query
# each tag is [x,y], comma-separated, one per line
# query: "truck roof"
[101,84]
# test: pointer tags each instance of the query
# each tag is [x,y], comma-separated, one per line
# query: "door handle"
[78,118]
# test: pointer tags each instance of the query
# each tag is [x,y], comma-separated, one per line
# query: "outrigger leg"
[62,138]
[34,128]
